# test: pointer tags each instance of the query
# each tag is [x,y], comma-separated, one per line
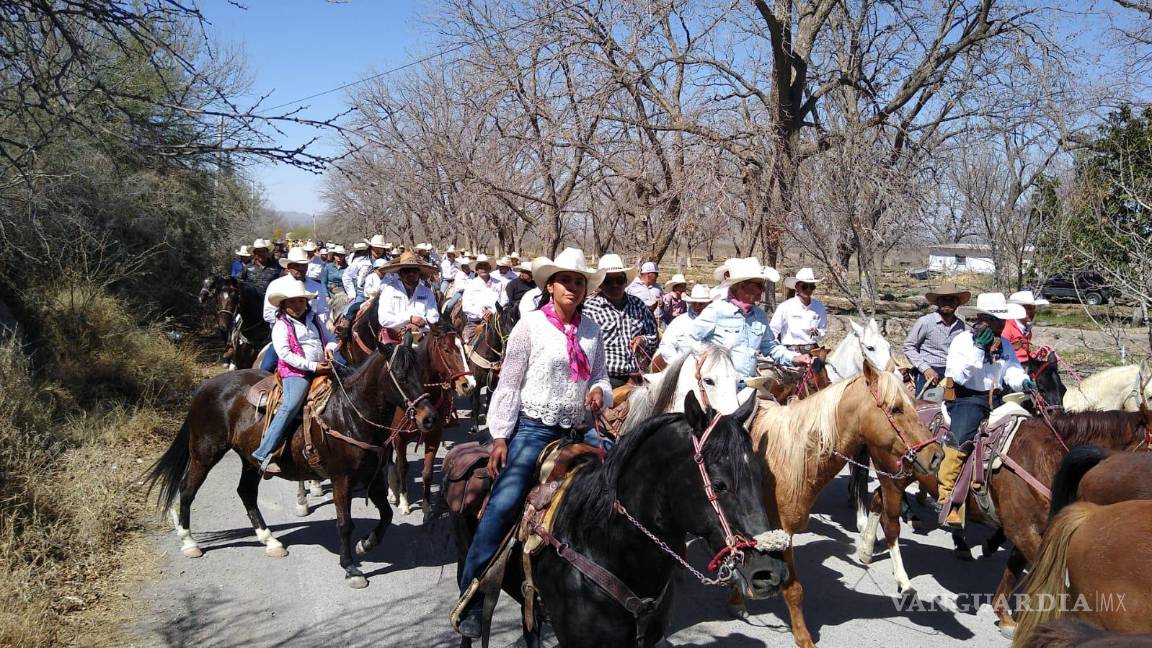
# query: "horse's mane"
[654,397]
[1080,428]
[787,436]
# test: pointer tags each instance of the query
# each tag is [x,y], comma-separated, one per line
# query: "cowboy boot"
[949,472]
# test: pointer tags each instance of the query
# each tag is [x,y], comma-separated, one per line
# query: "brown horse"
[1022,511]
[485,352]
[444,373]
[220,296]
[1094,564]
[803,383]
[1070,632]
[807,442]
[359,338]
[350,447]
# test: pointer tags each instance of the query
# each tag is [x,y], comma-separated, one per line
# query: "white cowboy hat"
[701,294]
[288,290]
[481,258]
[244,251]
[1026,298]
[610,263]
[464,261]
[514,255]
[309,246]
[676,279]
[649,267]
[504,262]
[377,241]
[570,260]
[426,247]
[260,243]
[322,251]
[805,275]
[295,255]
[721,273]
[359,247]
[538,263]
[523,266]
[451,250]
[379,263]
[748,269]
[992,304]
[338,249]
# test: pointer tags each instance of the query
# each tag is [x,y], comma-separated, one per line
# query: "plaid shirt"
[618,327]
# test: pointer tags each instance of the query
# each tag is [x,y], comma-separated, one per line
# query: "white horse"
[1117,388]
[707,372]
[864,342]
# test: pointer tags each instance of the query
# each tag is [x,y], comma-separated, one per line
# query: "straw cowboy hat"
[295,255]
[309,246]
[676,279]
[409,260]
[288,290]
[504,262]
[701,294]
[748,269]
[1026,298]
[992,304]
[260,243]
[805,275]
[377,241]
[610,263]
[339,249]
[570,260]
[244,251]
[359,246]
[948,289]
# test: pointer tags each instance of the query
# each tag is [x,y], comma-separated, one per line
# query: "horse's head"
[874,349]
[403,387]
[447,359]
[207,288]
[888,423]
[718,482]
[708,373]
[1043,368]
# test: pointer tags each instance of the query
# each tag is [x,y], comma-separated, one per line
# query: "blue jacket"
[722,324]
[237,268]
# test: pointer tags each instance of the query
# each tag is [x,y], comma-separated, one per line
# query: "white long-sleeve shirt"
[478,296]
[536,380]
[355,274]
[315,268]
[313,342]
[396,308]
[319,305]
[448,269]
[966,365]
[677,339]
[529,301]
[793,322]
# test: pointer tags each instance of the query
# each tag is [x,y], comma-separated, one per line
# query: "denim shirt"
[723,324]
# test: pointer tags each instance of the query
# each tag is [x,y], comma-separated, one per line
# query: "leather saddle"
[989,448]
[268,391]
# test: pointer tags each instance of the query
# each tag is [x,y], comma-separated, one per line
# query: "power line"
[425,59]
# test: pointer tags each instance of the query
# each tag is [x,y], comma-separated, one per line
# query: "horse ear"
[856,328]
[693,413]
[408,338]
[746,410]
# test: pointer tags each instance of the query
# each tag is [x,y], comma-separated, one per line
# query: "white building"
[954,258]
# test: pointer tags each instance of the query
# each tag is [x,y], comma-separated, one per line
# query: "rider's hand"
[497,457]
[802,359]
[984,338]
[930,376]
[594,400]
[638,342]
[417,320]
[1028,385]
[323,369]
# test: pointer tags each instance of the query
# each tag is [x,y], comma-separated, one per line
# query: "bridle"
[911,452]
[725,561]
[443,357]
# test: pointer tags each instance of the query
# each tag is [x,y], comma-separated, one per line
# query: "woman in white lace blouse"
[553,371]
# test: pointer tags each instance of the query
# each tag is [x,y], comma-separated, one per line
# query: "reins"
[912,449]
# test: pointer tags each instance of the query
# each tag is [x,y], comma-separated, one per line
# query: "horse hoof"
[315,489]
[275,552]
[739,612]
[1008,631]
[864,558]
[908,595]
[302,510]
[356,582]
[363,547]
[192,552]
[963,555]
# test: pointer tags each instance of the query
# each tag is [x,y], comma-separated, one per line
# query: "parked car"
[1086,287]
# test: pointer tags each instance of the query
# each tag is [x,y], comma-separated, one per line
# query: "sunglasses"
[800,285]
[615,280]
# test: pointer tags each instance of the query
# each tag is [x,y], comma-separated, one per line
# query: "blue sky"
[295,48]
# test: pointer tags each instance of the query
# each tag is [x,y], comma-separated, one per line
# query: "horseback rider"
[800,322]
[333,277]
[504,273]
[554,369]
[644,286]
[627,323]
[262,271]
[677,338]
[1019,331]
[243,258]
[464,274]
[378,248]
[304,349]
[354,276]
[672,304]
[375,279]
[926,346]
[315,260]
[739,325]
[516,288]
[448,269]
[408,302]
[980,362]
[480,294]
[296,267]
[530,300]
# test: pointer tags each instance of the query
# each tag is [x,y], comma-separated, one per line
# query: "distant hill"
[293,217]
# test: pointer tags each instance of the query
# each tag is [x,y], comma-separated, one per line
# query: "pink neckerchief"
[745,307]
[577,359]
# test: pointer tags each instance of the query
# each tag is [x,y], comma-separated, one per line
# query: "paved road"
[236,596]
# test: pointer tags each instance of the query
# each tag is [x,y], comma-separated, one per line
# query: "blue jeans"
[508,493]
[270,360]
[295,391]
[451,301]
[353,306]
[967,412]
[920,379]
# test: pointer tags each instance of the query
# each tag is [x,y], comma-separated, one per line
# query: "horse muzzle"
[761,574]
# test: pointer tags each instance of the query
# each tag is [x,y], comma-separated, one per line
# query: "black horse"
[485,352]
[251,332]
[651,481]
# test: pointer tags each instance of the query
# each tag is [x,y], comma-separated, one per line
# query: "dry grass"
[74,439]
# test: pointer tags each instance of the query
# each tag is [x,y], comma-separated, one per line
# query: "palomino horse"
[707,372]
[485,351]
[1093,564]
[675,476]
[1117,388]
[807,442]
[1037,448]
[350,449]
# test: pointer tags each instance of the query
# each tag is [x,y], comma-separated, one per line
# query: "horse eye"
[719,486]
[897,409]
[870,348]
[710,382]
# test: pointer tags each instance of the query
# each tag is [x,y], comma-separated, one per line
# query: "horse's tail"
[169,470]
[1045,582]
[1065,632]
[1066,483]
[858,492]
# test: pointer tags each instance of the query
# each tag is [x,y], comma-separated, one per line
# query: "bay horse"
[485,352]
[1093,564]
[350,449]
[1038,448]
[807,442]
[1100,476]
[219,295]
[677,475]
[1071,632]
[251,332]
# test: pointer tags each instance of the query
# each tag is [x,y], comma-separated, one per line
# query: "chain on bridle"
[909,457]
